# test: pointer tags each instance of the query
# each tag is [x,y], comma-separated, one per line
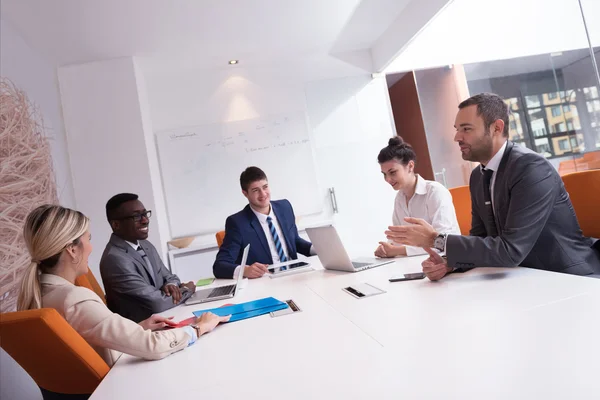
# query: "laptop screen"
[243,264]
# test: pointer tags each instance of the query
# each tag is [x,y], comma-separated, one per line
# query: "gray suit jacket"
[537,226]
[132,290]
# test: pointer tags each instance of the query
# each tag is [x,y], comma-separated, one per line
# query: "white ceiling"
[201,33]
[472,31]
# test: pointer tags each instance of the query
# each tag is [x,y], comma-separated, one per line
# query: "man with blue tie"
[268,226]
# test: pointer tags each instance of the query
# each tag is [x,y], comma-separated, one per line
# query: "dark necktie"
[490,221]
[142,253]
[278,246]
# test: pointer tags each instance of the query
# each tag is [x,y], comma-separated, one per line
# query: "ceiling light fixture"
[233,62]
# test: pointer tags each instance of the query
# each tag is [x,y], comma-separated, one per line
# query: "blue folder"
[247,310]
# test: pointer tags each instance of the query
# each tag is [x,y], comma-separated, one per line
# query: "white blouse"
[431,202]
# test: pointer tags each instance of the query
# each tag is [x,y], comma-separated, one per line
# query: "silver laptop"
[220,292]
[333,255]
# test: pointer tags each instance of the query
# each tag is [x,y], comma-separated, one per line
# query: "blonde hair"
[48,230]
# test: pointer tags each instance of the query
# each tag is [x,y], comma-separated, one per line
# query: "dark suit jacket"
[537,226]
[131,290]
[243,228]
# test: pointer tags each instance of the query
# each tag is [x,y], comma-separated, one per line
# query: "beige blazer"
[108,333]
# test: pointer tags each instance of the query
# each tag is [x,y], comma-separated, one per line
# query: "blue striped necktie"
[278,246]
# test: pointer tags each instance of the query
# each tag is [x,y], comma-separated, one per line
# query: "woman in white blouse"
[416,198]
[58,241]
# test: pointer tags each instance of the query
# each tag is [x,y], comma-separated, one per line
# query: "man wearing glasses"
[136,281]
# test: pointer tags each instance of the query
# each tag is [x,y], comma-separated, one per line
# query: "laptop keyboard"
[221,291]
[359,264]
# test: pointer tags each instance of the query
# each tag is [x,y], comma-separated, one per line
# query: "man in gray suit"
[521,212]
[136,281]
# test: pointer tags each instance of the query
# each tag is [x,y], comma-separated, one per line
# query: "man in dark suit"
[268,226]
[136,281]
[521,212]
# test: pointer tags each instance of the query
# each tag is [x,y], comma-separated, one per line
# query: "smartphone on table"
[274,269]
[408,277]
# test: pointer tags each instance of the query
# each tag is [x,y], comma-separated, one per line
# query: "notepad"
[246,310]
[204,282]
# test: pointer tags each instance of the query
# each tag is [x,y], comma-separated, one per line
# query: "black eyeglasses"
[138,217]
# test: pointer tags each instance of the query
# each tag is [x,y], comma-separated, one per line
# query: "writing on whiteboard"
[179,136]
[277,145]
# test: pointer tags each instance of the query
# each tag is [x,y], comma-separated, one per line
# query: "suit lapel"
[499,182]
[255,224]
[122,244]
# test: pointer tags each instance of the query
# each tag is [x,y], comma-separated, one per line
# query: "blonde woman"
[58,241]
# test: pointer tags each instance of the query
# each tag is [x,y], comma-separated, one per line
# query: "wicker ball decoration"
[26,181]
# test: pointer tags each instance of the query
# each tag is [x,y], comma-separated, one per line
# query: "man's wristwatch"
[439,243]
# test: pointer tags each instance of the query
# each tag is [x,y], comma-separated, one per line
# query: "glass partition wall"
[540,56]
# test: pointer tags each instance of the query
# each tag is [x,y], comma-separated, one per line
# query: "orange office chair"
[220,237]
[584,191]
[461,198]
[58,359]
[89,281]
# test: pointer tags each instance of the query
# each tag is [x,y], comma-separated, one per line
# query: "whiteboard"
[201,169]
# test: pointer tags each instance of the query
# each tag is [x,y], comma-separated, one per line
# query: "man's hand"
[190,285]
[156,322]
[435,267]
[172,290]
[388,250]
[255,270]
[419,234]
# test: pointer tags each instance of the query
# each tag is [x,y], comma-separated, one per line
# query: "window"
[552,96]
[563,144]
[556,112]
[557,128]
[566,108]
[570,125]
[574,142]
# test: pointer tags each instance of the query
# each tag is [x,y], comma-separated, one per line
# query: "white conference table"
[494,333]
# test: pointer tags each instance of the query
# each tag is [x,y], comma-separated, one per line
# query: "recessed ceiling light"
[233,62]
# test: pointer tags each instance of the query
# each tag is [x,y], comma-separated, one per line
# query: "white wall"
[350,122]
[107,123]
[37,77]
[31,72]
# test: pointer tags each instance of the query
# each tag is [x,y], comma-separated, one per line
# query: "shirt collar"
[421,187]
[494,163]
[262,218]
[134,245]
[52,279]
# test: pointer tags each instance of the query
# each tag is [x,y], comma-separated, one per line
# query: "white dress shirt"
[262,218]
[431,202]
[493,165]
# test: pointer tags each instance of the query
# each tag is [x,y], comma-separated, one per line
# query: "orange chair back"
[51,351]
[220,237]
[584,191]
[461,198]
[89,281]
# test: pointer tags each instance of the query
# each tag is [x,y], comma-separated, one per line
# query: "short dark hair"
[115,202]
[397,149]
[251,174]
[491,107]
